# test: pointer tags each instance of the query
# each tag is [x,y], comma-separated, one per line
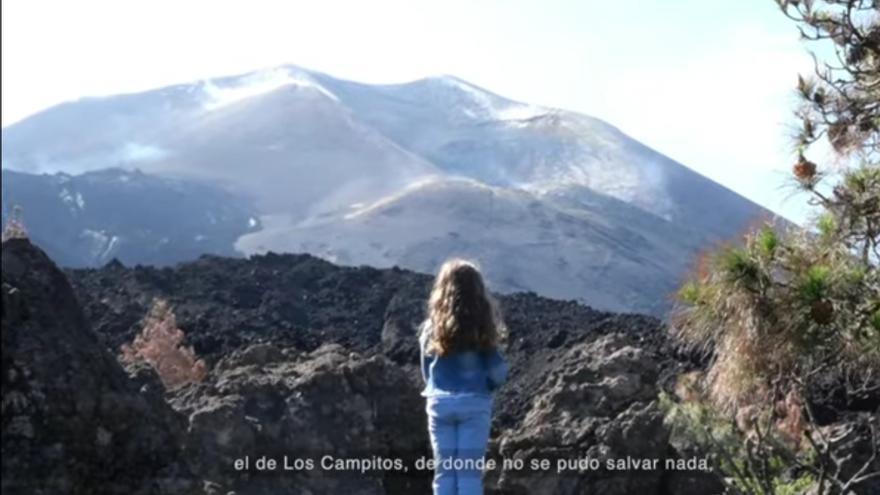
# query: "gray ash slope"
[548,200]
[300,301]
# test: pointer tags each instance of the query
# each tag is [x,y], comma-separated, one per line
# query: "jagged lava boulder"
[297,407]
[598,403]
[72,421]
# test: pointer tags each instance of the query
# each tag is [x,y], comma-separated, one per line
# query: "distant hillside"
[408,174]
[89,219]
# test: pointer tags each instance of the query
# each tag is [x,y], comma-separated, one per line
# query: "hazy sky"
[706,82]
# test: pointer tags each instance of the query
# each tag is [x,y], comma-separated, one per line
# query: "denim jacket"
[460,373]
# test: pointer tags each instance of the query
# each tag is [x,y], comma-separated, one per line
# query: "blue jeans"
[459,428]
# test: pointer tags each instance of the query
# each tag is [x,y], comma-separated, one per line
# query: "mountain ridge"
[312,150]
[89,219]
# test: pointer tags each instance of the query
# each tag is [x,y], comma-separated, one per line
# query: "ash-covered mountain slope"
[286,120]
[602,249]
[91,218]
[276,135]
[469,131]
[332,163]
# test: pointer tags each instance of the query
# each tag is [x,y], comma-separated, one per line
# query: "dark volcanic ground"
[309,358]
[301,301]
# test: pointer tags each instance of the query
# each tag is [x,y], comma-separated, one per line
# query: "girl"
[461,367]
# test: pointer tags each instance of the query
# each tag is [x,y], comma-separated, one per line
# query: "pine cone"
[822,311]
[805,170]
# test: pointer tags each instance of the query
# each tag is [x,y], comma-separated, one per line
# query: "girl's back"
[461,367]
[465,372]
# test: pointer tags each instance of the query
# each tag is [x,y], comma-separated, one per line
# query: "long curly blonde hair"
[462,313]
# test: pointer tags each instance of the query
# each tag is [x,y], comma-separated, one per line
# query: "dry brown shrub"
[14,228]
[160,345]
